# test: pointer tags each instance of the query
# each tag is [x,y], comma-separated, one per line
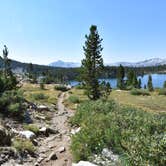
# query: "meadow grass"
[135,135]
[152,102]
[33,93]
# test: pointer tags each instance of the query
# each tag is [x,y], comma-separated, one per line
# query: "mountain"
[146,63]
[60,63]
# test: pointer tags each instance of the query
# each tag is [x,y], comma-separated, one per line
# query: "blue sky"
[43,31]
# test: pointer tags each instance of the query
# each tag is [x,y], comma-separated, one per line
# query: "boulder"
[27,134]
[84,163]
[5,136]
[42,108]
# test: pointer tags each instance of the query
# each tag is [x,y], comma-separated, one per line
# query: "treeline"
[67,74]
[128,80]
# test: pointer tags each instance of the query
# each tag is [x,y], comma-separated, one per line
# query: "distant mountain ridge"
[60,63]
[145,63]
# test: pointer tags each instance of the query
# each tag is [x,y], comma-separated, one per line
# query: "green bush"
[22,145]
[32,127]
[11,103]
[162,92]
[39,96]
[73,99]
[140,92]
[61,88]
[139,136]
[42,86]
[79,86]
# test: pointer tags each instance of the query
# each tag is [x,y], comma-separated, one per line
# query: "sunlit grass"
[32,90]
[154,102]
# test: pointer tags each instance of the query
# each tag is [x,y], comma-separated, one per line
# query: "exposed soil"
[53,143]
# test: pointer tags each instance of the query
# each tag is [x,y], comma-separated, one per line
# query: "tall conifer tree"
[92,64]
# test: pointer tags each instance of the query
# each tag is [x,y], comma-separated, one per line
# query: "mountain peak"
[60,63]
[145,63]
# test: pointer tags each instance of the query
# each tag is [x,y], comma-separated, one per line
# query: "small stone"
[42,108]
[40,159]
[52,156]
[61,149]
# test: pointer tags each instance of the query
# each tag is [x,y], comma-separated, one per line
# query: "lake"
[158,80]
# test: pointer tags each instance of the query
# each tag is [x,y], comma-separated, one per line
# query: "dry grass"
[32,89]
[79,93]
[154,102]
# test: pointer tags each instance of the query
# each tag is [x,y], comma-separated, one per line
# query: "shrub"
[32,127]
[11,103]
[135,134]
[42,86]
[80,86]
[162,92]
[60,88]
[140,92]
[73,99]
[22,145]
[39,96]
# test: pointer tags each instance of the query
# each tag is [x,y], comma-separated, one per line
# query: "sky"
[44,31]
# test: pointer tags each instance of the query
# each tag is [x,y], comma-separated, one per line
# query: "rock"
[42,108]
[52,156]
[47,130]
[84,163]
[5,136]
[40,117]
[61,149]
[35,142]
[44,131]
[27,118]
[109,154]
[40,159]
[27,134]
[74,131]
[52,131]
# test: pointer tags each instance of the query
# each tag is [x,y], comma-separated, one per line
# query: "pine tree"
[130,76]
[164,85]
[9,80]
[139,83]
[120,77]
[105,89]
[150,84]
[6,62]
[135,81]
[92,64]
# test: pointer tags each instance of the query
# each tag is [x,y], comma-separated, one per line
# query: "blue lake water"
[158,80]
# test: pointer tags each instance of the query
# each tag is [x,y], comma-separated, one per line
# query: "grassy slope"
[154,102]
[31,89]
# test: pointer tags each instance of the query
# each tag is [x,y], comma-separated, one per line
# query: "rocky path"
[54,150]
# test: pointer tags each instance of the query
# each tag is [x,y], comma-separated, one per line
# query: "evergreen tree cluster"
[7,79]
[131,80]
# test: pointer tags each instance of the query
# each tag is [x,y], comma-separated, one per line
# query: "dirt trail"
[54,142]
